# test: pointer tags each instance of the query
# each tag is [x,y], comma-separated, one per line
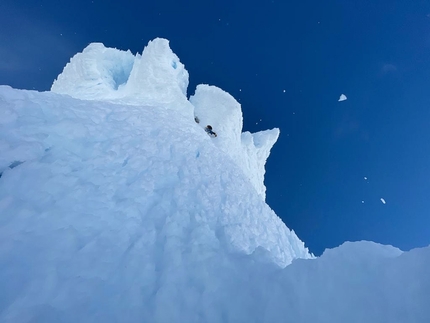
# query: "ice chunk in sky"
[342,97]
[383,201]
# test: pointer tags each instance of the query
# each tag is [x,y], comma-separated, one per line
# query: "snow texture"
[220,110]
[115,206]
[157,77]
[342,97]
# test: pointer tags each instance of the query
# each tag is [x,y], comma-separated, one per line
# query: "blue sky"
[287,63]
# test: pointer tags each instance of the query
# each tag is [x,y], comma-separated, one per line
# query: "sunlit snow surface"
[158,78]
[114,208]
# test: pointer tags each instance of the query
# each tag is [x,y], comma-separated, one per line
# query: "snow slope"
[116,206]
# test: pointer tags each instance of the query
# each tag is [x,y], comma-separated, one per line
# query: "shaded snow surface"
[115,210]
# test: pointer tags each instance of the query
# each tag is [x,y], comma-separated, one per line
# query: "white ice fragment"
[383,201]
[342,97]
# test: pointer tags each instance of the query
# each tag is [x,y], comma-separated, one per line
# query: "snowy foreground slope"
[116,206]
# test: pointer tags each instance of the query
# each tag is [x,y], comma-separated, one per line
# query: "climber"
[208,129]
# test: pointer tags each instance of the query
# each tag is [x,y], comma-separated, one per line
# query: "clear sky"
[287,62]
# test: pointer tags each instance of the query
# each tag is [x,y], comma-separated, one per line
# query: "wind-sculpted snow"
[219,109]
[120,208]
[96,73]
[356,282]
[158,78]
[101,198]
[155,78]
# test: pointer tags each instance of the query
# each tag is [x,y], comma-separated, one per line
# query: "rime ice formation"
[158,78]
[96,73]
[115,206]
[219,109]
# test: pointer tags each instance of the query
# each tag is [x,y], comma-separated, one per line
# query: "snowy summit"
[119,204]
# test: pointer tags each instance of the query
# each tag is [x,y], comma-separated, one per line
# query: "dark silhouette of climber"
[211,133]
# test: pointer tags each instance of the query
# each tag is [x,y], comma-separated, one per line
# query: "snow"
[115,206]
[157,77]
[383,201]
[342,97]
[219,109]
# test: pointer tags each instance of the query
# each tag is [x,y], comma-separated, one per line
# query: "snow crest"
[98,73]
[157,77]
